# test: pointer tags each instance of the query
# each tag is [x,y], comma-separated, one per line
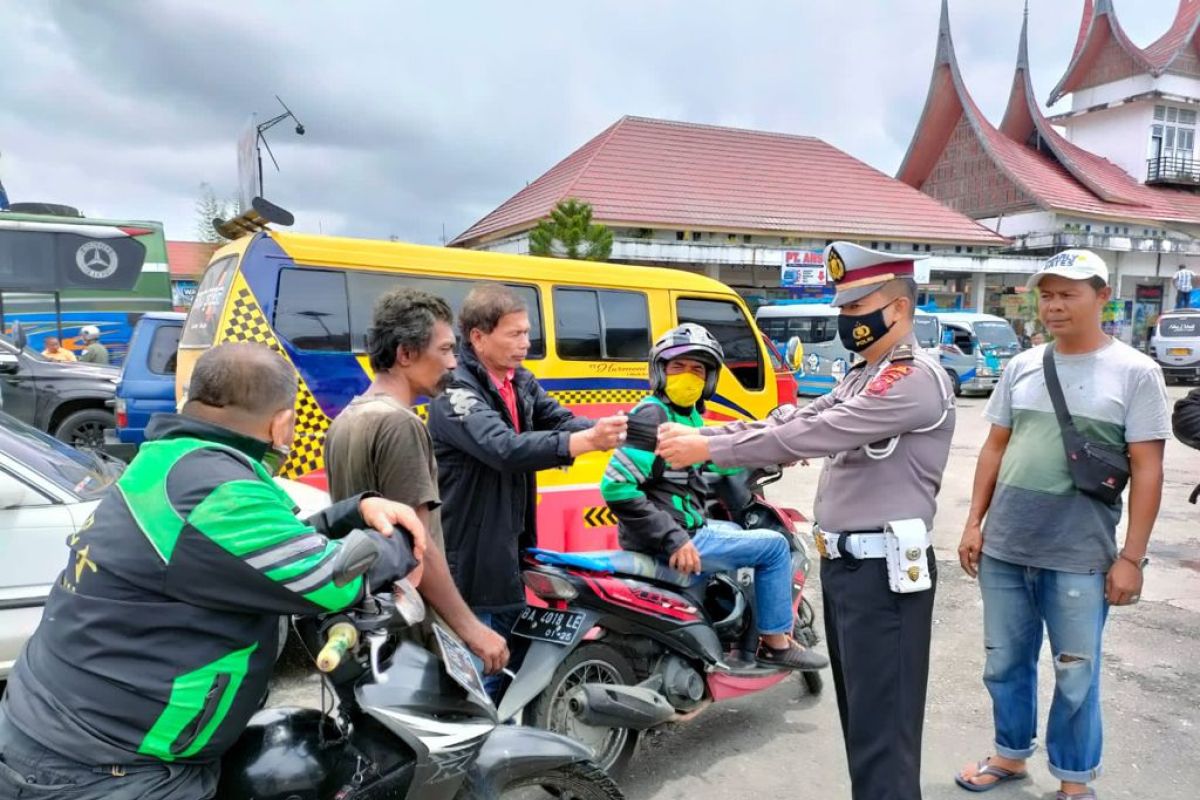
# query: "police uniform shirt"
[874,403]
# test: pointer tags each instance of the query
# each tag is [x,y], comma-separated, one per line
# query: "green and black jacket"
[658,508]
[159,638]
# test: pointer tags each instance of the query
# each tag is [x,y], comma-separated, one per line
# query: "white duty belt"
[857,545]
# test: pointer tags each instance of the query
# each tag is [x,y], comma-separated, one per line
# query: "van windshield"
[201,326]
[996,334]
[926,331]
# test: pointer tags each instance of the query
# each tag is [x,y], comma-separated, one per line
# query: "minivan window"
[163,349]
[311,311]
[726,321]
[1179,326]
[996,334]
[926,330]
[200,328]
[367,287]
[810,330]
[597,324]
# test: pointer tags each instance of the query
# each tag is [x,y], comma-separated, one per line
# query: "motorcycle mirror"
[408,602]
[356,555]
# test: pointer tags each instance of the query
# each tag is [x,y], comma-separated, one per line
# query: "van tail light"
[122,414]
[549,587]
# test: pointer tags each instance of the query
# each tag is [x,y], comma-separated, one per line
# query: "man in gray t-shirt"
[1047,555]
[379,444]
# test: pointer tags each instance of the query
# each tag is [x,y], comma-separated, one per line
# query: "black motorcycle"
[408,724]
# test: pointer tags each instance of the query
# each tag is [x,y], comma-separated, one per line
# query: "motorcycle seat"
[622,562]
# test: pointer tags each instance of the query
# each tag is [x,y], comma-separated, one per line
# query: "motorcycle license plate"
[548,625]
[1179,351]
[460,664]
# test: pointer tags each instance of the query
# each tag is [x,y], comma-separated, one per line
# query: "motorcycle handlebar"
[342,637]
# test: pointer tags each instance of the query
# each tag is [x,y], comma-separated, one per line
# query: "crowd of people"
[196,552]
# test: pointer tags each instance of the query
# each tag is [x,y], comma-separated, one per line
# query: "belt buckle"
[819,538]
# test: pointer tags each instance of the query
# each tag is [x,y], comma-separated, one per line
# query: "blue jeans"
[724,546]
[1017,602]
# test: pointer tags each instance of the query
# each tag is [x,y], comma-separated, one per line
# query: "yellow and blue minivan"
[310,298]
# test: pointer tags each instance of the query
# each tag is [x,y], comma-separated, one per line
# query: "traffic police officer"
[886,431]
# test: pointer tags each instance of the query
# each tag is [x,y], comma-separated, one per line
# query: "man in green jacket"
[660,510]
[159,637]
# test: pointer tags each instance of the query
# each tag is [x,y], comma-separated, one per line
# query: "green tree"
[210,207]
[570,233]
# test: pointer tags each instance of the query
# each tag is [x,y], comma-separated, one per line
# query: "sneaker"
[794,656]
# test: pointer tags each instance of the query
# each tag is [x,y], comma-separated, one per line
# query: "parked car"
[68,401]
[1175,344]
[975,349]
[147,384]
[48,491]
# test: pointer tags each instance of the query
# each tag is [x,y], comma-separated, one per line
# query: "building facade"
[1114,173]
[750,208]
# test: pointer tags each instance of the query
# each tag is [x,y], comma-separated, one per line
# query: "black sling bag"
[1099,470]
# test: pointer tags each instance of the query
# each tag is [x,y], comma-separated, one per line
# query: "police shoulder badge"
[885,380]
[837,267]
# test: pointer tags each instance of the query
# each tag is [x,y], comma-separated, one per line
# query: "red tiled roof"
[1066,178]
[1098,27]
[1182,32]
[188,259]
[655,173]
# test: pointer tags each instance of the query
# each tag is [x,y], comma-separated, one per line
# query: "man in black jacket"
[492,429]
[159,637]
[1186,424]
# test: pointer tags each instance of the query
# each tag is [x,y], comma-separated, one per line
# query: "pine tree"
[570,233]
[210,207]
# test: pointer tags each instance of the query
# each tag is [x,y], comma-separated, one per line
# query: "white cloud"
[420,115]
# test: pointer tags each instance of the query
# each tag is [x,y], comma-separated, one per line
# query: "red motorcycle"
[627,644]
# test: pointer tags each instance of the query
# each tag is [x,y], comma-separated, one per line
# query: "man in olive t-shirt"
[378,444]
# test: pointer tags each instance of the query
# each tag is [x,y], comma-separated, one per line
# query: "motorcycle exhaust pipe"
[606,706]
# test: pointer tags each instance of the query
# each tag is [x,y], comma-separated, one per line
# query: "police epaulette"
[903,352]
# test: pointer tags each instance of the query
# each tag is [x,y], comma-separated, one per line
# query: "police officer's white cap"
[1077,265]
[857,271]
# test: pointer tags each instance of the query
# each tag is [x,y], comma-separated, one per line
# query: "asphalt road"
[783,743]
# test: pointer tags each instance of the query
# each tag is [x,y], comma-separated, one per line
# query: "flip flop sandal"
[1089,794]
[1001,775]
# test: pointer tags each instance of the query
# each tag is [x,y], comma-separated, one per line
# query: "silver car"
[1175,344]
[48,490]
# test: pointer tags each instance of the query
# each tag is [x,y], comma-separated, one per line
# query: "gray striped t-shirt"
[1038,518]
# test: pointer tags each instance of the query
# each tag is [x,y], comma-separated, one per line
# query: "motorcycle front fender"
[513,752]
[541,660]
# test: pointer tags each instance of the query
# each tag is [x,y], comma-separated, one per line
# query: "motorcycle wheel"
[594,662]
[581,781]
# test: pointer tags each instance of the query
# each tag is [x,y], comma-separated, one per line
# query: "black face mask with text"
[863,330]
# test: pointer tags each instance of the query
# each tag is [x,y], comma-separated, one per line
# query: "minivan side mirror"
[9,363]
[795,350]
[18,335]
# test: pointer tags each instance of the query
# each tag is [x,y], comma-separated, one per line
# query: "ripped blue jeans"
[1018,603]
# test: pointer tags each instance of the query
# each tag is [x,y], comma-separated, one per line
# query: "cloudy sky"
[424,116]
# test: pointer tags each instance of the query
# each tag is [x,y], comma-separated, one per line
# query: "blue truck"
[147,384]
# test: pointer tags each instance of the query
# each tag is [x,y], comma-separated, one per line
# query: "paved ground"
[785,744]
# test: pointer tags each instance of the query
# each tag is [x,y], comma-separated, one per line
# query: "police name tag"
[905,544]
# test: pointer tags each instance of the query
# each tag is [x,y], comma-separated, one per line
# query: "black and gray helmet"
[693,341]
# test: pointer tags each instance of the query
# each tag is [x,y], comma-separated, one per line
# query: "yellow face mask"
[684,389]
